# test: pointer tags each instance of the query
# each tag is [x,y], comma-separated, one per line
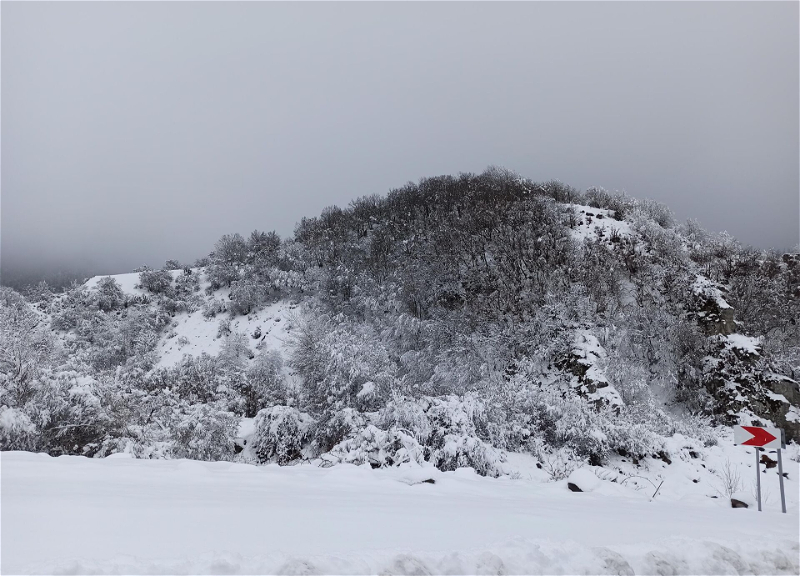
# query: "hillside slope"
[455,322]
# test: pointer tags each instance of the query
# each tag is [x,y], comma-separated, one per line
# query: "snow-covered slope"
[128,283]
[116,515]
[192,334]
[597,223]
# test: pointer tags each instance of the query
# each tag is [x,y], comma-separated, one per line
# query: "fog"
[137,132]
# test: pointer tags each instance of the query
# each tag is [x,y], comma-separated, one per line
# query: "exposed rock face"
[782,403]
[744,387]
[713,313]
[584,363]
[718,320]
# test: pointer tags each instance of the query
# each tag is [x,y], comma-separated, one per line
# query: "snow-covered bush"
[264,385]
[601,198]
[17,432]
[336,359]
[61,413]
[187,282]
[458,426]
[39,294]
[204,432]
[656,211]
[330,432]
[457,451]
[195,379]
[246,295]
[115,340]
[155,281]
[26,347]
[230,252]
[221,274]
[407,415]
[224,328]
[109,294]
[558,463]
[630,380]
[213,307]
[280,434]
[231,249]
[262,247]
[234,352]
[555,415]
[378,448]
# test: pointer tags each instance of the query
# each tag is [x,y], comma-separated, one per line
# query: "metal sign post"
[761,438]
[780,475]
[758,479]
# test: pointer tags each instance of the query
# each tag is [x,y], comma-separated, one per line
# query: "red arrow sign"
[760,436]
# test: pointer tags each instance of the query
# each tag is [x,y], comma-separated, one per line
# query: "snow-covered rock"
[584,479]
[743,500]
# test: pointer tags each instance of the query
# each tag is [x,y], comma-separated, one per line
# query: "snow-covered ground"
[127,282]
[117,515]
[193,334]
[597,223]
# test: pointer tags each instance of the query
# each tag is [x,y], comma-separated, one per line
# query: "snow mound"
[746,498]
[584,479]
[519,556]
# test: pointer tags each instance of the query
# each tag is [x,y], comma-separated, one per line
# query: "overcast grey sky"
[137,132]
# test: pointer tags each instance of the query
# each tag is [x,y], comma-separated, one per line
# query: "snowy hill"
[527,332]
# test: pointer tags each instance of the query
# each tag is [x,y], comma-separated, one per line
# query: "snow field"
[118,515]
[193,334]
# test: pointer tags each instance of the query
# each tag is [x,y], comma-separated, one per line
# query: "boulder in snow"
[742,500]
[583,479]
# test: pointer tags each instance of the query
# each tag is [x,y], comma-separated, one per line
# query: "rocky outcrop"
[713,313]
[781,404]
[588,379]
[746,391]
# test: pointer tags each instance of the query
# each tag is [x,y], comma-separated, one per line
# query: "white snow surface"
[194,334]
[127,282]
[597,223]
[747,344]
[75,515]
[707,289]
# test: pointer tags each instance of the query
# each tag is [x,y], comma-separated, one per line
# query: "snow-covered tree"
[155,281]
[264,385]
[109,294]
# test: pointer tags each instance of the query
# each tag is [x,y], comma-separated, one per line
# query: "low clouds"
[137,132]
